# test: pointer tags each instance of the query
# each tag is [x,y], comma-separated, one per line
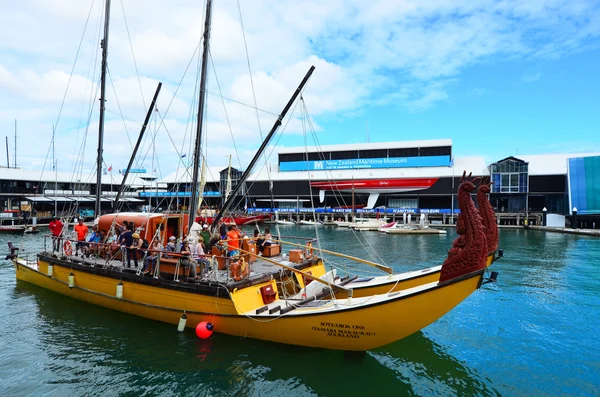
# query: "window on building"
[317,156]
[404,152]
[435,151]
[344,155]
[373,154]
[287,157]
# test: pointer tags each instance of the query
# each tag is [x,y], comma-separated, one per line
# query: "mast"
[55,172]
[15,160]
[260,151]
[137,144]
[104,46]
[228,186]
[7,157]
[199,126]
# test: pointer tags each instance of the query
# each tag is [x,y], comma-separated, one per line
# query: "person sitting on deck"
[187,261]
[82,230]
[113,243]
[214,241]
[94,239]
[199,255]
[171,247]
[152,256]
[265,241]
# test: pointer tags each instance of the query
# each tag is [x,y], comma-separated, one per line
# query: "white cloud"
[383,53]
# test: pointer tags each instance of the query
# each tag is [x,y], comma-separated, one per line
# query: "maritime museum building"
[393,177]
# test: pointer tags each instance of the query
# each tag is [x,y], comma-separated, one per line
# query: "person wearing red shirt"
[82,230]
[56,228]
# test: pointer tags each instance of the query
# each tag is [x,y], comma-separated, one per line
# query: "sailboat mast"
[104,46]
[7,157]
[15,160]
[55,172]
[262,147]
[202,93]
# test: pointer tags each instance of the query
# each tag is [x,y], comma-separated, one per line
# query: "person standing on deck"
[82,230]
[205,234]
[56,228]
[223,230]
[127,242]
[233,241]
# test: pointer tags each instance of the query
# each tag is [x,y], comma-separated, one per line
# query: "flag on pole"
[110,168]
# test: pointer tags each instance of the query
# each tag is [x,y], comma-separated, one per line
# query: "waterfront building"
[393,177]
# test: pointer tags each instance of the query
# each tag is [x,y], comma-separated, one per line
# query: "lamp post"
[574,219]
[544,216]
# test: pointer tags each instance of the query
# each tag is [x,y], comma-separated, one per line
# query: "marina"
[338,199]
[515,337]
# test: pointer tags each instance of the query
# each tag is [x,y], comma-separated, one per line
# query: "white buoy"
[71,280]
[182,322]
[119,290]
[50,270]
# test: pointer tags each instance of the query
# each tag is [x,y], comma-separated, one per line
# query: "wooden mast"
[199,126]
[104,46]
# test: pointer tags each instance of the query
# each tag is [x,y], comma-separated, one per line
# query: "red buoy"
[204,329]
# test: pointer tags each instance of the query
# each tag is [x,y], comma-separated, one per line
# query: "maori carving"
[469,249]
[488,216]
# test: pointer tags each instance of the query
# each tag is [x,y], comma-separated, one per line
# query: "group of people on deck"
[193,249]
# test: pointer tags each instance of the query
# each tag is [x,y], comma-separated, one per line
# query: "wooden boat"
[252,308]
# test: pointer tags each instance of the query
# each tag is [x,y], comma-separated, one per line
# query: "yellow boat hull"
[361,324]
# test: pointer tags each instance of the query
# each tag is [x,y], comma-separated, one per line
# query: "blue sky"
[498,77]
[496,109]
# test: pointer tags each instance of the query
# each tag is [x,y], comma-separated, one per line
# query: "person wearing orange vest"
[82,230]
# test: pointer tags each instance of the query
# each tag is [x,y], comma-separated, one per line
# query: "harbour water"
[535,332]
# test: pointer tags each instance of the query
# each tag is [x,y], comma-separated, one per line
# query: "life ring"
[67,248]
[309,250]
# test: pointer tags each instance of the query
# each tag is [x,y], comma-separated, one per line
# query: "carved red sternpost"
[469,250]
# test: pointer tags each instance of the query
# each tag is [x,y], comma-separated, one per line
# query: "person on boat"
[214,241]
[187,261]
[234,235]
[205,234]
[223,230]
[93,241]
[82,230]
[152,257]
[126,241]
[113,242]
[171,247]
[199,255]
[266,240]
[138,246]
[56,228]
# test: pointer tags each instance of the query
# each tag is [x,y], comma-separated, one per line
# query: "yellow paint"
[362,328]
[250,298]
[317,270]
